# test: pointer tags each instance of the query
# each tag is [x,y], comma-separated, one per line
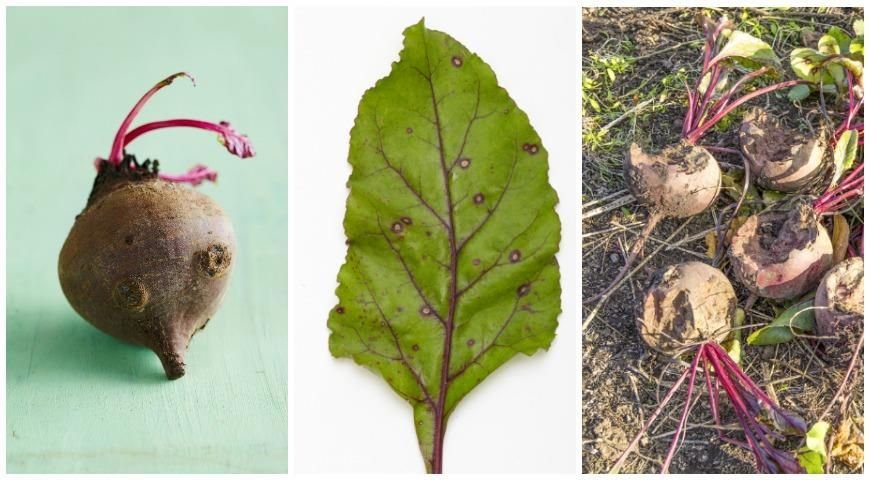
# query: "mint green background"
[77,399]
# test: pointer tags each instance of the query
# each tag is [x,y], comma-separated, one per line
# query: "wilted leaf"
[452,233]
[710,240]
[854,66]
[812,456]
[829,45]
[805,63]
[858,27]
[798,92]
[848,444]
[840,238]
[745,46]
[844,154]
[799,316]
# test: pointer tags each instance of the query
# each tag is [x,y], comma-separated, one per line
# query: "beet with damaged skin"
[683,180]
[782,252]
[148,259]
[780,158]
[840,308]
[688,303]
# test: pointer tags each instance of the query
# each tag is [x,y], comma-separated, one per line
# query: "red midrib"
[438,437]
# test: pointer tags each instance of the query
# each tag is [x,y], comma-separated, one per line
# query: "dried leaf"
[840,238]
[452,233]
[710,240]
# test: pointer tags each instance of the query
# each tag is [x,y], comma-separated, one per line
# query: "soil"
[622,379]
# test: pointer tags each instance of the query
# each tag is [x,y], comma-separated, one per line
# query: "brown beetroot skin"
[780,158]
[781,253]
[683,180]
[147,261]
[840,308]
[688,303]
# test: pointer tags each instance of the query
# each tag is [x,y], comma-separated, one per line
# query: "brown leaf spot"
[515,256]
[406,220]
[523,290]
[425,310]
[475,262]
[464,162]
[339,310]
[397,227]
[409,130]
[456,61]
[478,198]
[415,347]
[470,342]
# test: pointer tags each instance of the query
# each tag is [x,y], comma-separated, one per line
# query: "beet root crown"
[235,143]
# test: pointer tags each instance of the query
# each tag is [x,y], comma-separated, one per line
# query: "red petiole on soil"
[747,400]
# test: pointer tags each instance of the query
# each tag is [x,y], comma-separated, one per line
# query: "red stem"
[181,122]
[116,153]
[696,134]
[676,440]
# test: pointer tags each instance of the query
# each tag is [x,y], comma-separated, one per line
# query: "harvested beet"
[681,181]
[684,179]
[840,308]
[148,259]
[687,304]
[782,252]
[780,158]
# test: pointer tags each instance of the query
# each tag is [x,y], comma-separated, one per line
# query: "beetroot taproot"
[782,252]
[780,158]
[840,308]
[149,258]
[687,304]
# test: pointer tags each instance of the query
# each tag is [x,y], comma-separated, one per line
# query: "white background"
[522,418]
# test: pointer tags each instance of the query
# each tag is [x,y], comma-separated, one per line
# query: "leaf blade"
[452,233]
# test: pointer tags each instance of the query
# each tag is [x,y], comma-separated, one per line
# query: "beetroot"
[148,259]
[690,308]
[782,252]
[684,179]
[780,158]
[840,308]
[688,303]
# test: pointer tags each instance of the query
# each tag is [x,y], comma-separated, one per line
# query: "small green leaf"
[812,455]
[856,48]
[798,92]
[770,197]
[745,46]
[798,316]
[611,75]
[844,154]
[452,233]
[593,103]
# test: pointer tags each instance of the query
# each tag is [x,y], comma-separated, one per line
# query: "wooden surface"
[77,399]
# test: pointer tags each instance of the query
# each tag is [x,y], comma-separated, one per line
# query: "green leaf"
[805,63]
[856,48]
[452,233]
[844,154]
[812,456]
[798,92]
[741,45]
[799,316]
[842,38]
